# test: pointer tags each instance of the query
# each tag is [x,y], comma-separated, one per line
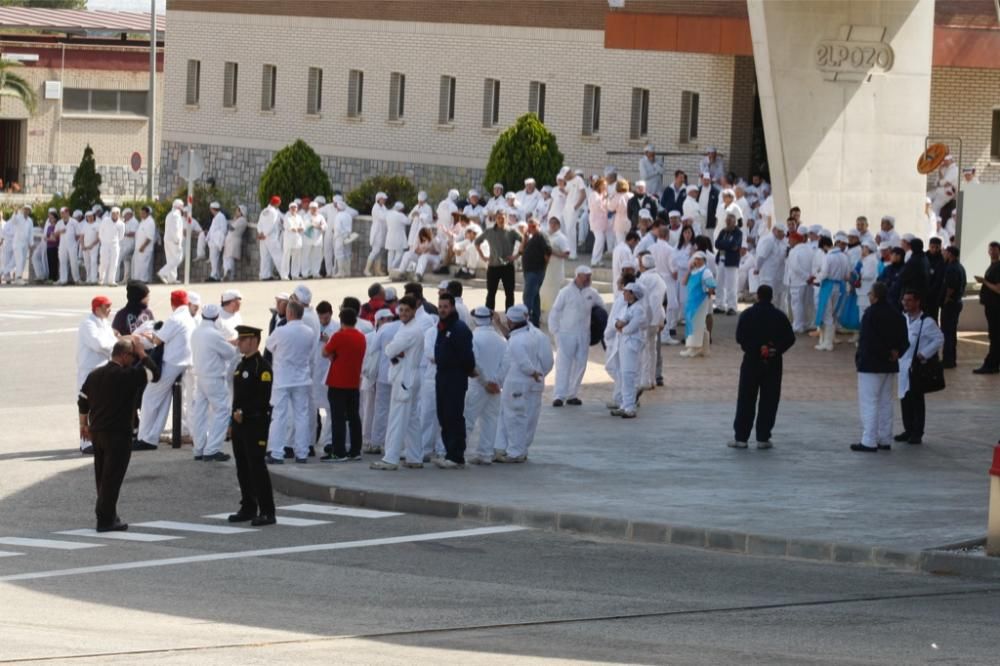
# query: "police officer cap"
[248,331]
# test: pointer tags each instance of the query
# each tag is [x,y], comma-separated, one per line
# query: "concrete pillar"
[844,91]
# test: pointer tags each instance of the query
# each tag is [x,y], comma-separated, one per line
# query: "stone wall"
[118,183]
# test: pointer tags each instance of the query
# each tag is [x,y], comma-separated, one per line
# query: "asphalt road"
[393,589]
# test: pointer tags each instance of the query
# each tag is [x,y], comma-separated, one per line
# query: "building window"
[231,74]
[591,110]
[491,102]
[995,137]
[193,82]
[536,99]
[446,103]
[689,117]
[105,102]
[268,88]
[314,96]
[355,93]
[397,95]
[639,127]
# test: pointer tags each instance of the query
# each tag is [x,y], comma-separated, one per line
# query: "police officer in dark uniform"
[250,421]
[455,363]
[765,334]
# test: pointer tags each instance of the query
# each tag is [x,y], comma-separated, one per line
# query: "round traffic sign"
[136,161]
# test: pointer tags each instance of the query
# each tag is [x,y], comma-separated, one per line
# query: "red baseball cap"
[178,298]
[98,302]
[275,201]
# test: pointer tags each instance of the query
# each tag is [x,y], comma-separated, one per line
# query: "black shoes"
[557,403]
[576,402]
[117,526]
[199,457]
[915,440]
[87,450]
[949,365]
[885,447]
[264,519]
[901,437]
[271,460]
[983,370]
[217,457]
[289,453]
[863,448]
[140,445]
[241,517]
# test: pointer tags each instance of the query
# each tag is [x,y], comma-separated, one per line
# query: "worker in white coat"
[396,241]
[232,250]
[213,357]
[128,245]
[6,249]
[293,350]
[482,401]
[431,442]
[342,230]
[67,229]
[369,380]
[94,341]
[293,228]
[269,239]
[173,239]
[376,236]
[832,278]
[867,276]
[569,323]
[404,353]
[90,246]
[314,235]
[217,231]
[631,325]
[421,216]
[530,198]
[654,289]
[529,360]
[798,270]
[388,326]
[145,246]
[771,253]
[111,233]
[175,336]
[651,171]
[24,228]
[576,195]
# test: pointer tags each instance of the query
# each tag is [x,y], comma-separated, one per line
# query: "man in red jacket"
[346,351]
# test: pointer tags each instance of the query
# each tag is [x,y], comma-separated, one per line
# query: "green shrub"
[86,183]
[398,188]
[526,149]
[40,209]
[296,171]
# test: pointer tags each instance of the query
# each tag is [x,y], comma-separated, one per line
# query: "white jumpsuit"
[269,240]
[490,351]
[176,337]
[569,322]
[404,375]
[142,259]
[173,240]
[528,352]
[111,234]
[69,253]
[213,357]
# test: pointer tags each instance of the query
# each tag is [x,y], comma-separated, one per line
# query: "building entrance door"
[11,142]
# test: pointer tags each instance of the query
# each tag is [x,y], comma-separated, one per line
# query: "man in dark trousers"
[765,334]
[455,363]
[535,254]
[500,264]
[251,419]
[989,296]
[346,351]
[106,403]
[953,285]
[935,278]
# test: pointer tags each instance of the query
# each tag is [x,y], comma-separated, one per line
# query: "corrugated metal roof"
[79,22]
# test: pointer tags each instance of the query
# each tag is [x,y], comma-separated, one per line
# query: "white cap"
[281,296]
[547,189]
[384,313]
[870,244]
[302,294]
[563,173]
[853,233]
[840,237]
[711,149]
[381,195]
[518,314]
[453,195]
[510,195]
[338,197]
[630,262]
[77,214]
[694,188]
[648,261]
[815,229]
[242,208]
[231,295]
[398,206]
[699,255]
[313,204]
[583,270]
[780,226]
[177,204]
[214,205]
[884,245]
[673,213]
[908,237]
[825,233]
[635,288]
[294,204]
[496,185]
[194,298]
[474,228]
[421,196]
[649,148]
[210,311]
[473,193]
[706,174]
[645,214]
[114,209]
[529,181]
[321,200]
[443,285]
[127,211]
[390,294]
[482,315]
[640,183]
[890,219]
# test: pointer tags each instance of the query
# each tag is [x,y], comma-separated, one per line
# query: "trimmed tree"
[397,188]
[526,149]
[86,183]
[296,171]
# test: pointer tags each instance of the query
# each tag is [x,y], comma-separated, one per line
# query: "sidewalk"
[668,475]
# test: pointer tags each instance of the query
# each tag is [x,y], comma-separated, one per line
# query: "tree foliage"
[296,171]
[526,149]
[397,188]
[16,86]
[86,183]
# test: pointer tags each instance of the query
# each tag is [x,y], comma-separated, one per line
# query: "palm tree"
[14,85]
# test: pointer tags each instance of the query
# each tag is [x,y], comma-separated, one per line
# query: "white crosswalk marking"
[37,333]
[282,520]
[193,527]
[10,315]
[121,536]
[7,553]
[47,543]
[339,511]
[35,314]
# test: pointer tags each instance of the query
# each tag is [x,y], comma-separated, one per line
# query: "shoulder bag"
[926,376]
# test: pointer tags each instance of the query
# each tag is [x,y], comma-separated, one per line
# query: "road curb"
[935,561]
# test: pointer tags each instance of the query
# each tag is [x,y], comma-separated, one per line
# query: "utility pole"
[151,101]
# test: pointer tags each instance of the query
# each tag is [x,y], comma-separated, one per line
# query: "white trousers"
[69,264]
[427,262]
[291,263]
[875,393]
[39,262]
[699,336]
[292,424]
[673,308]
[174,255]
[404,429]
[647,362]
[800,297]
[612,366]
[156,403]
[377,249]
[571,362]
[629,360]
[142,264]
[600,245]
[430,428]
[7,259]
[215,261]
[367,412]
[395,259]
[125,260]
[91,259]
[569,222]
[210,415]
[321,400]
[729,284]
[21,261]
[383,392]
[109,263]
[519,409]
[483,408]
[270,259]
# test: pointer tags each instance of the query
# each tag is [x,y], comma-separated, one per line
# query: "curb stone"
[933,561]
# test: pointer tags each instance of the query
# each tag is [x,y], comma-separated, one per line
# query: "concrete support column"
[844,91]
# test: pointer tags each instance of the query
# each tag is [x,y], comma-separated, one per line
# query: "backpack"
[598,322]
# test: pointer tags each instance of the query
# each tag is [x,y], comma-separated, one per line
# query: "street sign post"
[190,166]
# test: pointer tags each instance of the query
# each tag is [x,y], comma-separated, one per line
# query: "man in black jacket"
[765,334]
[455,363]
[952,290]
[708,192]
[106,404]
[728,243]
[884,338]
[915,275]
[674,194]
[935,278]
[641,201]
[989,296]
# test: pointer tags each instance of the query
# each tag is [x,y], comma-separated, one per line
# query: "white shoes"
[384,466]
[734,444]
